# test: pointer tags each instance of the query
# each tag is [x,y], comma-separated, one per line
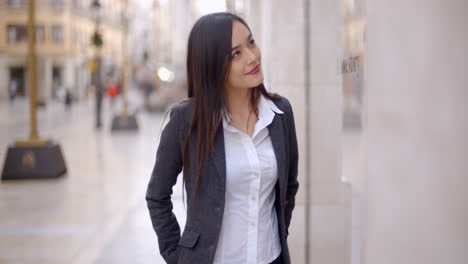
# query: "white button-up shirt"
[249,231]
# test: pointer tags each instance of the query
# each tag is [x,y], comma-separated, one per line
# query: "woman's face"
[246,70]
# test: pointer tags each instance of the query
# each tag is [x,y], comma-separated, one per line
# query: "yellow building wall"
[76,46]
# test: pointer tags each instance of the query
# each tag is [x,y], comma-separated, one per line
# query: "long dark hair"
[208,65]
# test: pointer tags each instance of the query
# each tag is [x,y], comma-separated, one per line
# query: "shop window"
[17,33]
[16,3]
[57,3]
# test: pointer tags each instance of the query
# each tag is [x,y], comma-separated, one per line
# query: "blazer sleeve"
[293,184]
[167,167]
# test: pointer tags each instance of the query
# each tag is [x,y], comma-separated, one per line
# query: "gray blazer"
[205,213]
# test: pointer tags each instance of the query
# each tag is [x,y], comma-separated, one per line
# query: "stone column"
[417,127]
[330,196]
[279,28]
[44,78]
[4,79]
[68,73]
[47,78]
[80,80]
[42,96]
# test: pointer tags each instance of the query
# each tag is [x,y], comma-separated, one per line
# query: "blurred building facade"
[172,21]
[63,44]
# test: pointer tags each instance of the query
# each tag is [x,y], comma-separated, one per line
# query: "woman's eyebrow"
[236,47]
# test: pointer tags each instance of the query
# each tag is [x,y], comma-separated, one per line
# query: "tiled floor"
[97,212]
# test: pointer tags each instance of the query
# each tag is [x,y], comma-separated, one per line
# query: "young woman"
[236,144]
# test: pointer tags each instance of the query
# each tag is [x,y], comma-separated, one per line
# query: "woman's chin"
[257,81]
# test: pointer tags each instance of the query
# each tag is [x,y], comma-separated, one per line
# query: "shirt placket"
[254,192]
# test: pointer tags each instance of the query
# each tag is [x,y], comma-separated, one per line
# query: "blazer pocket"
[189,238]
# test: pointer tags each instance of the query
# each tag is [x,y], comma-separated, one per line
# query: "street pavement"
[97,212]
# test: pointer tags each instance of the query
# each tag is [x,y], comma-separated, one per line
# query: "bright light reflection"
[211,6]
[165,75]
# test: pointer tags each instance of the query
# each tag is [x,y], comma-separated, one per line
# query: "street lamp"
[124,121]
[33,158]
[96,69]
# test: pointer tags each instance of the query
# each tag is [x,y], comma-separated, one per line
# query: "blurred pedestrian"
[13,89]
[236,145]
[68,99]
[112,92]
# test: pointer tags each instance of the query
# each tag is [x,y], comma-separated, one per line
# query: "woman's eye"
[252,42]
[237,53]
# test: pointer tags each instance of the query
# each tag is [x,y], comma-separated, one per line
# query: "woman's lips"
[255,70]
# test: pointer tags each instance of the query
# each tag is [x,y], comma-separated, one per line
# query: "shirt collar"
[266,113]
[270,105]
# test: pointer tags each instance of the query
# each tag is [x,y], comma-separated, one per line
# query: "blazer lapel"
[277,139]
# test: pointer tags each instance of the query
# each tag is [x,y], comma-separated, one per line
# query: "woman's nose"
[251,56]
